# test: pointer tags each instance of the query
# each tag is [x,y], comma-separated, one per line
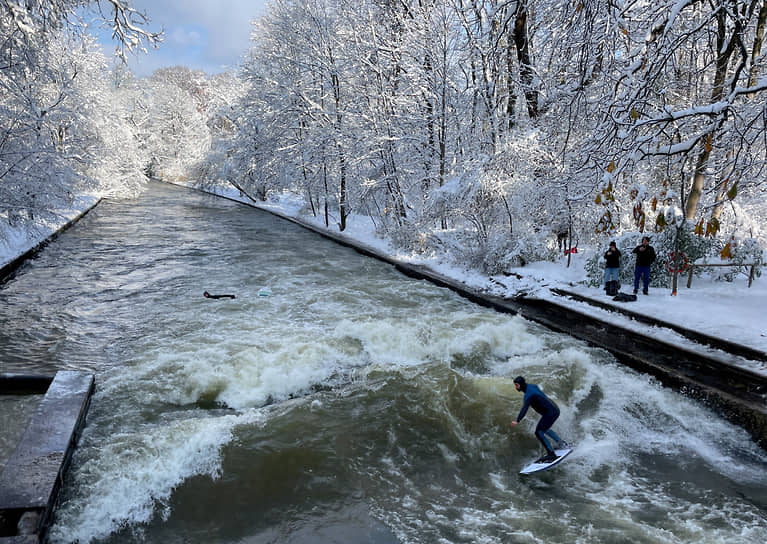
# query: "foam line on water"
[242,373]
[638,415]
[418,340]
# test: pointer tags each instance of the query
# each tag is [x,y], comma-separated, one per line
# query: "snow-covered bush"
[749,251]
[742,253]
[503,254]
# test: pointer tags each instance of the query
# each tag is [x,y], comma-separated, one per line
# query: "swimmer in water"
[208,295]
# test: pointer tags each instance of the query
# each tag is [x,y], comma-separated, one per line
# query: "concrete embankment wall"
[31,479]
[8,269]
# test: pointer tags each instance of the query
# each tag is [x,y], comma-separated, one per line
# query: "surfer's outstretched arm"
[523,411]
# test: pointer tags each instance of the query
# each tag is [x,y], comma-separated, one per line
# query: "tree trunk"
[522,42]
[508,213]
[721,195]
[443,124]
[430,133]
[342,204]
[724,53]
[342,196]
[757,49]
[325,183]
[511,103]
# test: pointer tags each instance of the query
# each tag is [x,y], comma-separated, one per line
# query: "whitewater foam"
[127,475]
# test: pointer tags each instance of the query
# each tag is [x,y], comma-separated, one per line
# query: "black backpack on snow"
[611,287]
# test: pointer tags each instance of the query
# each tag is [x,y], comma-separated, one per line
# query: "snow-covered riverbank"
[16,241]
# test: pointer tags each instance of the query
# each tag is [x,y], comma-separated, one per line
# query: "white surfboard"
[535,466]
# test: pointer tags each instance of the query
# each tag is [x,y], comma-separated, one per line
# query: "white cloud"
[202,34]
[184,37]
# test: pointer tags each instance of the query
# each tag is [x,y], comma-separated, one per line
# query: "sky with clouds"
[208,35]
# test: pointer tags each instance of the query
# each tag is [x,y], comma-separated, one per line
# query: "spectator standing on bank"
[612,265]
[645,257]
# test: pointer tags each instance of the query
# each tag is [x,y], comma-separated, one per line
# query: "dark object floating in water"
[208,295]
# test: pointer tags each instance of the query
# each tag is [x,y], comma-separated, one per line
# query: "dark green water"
[353,404]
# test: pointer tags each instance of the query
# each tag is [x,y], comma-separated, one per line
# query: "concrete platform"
[30,481]
[704,339]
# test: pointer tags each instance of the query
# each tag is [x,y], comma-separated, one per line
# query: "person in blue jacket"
[549,411]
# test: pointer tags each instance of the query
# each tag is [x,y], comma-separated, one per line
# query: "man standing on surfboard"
[549,413]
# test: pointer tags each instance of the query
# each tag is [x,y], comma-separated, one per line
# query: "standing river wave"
[336,400]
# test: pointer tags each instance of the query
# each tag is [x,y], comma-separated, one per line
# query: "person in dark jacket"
[645,257]
[612,263]
[549,411]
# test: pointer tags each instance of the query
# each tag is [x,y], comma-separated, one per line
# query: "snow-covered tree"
[510,120]
[684,119]
[175,130]
[64,130]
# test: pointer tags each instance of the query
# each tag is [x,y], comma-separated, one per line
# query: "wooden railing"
[703,265]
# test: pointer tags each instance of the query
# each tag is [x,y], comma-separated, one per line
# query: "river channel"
[336,400]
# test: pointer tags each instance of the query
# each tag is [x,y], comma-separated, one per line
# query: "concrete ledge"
[695,336]
[30,481]
[24,384]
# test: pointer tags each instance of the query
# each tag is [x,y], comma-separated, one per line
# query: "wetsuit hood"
[522,383]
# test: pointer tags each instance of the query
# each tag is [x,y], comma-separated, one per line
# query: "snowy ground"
[730,311]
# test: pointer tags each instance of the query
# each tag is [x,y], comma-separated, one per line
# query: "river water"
[352,404]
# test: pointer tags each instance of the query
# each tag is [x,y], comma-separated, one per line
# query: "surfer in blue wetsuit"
[549,411]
